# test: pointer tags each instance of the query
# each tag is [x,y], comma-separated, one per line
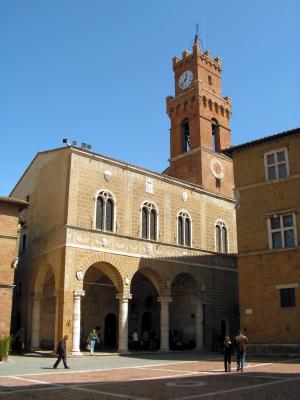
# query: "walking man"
[62,353]
[241,342]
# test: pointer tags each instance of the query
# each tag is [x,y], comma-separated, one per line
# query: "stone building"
[267,177]
[9,248]
[118,247]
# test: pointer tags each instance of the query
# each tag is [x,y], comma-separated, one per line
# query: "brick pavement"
[168,380]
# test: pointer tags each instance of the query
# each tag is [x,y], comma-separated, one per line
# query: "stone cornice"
[164,253]
[267,183]
[269,252]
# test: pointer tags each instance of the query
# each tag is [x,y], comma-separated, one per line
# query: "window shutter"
[187,232]
[218,238]
[99,213]
[180,230]
[109,215]
[224,240]
[153,225]
[144,223]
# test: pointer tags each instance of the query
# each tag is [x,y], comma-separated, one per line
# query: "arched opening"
[47,318]
[215,135]
[149,221]
[105,210]
[221,237]
[224,330]
[144,313]
[100,308]
[185,127]
[183,313]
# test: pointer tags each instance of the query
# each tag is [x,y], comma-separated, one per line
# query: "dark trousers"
[227,361]
[63,358]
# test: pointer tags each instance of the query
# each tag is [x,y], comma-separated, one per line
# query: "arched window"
[105,211]
[184,229]
[215,133]
[185,127]
[221,237]
[149,221]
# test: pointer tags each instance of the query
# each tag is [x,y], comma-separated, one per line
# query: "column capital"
[166,299]
[124,297]
[78,293]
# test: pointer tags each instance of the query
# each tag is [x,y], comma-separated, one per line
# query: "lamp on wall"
[126,280]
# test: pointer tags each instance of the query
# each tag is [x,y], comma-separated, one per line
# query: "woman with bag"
[91,341]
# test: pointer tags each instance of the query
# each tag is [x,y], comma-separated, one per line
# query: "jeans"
[240,358]
[92,345]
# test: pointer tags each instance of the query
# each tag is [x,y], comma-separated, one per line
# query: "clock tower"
[200,123]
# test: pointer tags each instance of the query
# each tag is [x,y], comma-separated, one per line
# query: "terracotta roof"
[230,150]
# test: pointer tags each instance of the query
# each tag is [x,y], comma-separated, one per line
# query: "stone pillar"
[164,322]
[123,323]
[76,322]
[56,300]
[199,325]
[36,322]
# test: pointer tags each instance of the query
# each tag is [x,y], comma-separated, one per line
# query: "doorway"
[110,331]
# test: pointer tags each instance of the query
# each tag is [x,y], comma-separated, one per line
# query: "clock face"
[185,79]
[216,168]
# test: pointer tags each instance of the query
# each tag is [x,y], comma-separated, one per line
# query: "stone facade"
[267,177]
[133,267]
[9,248]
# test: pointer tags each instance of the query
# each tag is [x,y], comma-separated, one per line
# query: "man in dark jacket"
[241,342]
[62,352]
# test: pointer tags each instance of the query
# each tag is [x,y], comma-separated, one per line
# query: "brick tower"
[200,123]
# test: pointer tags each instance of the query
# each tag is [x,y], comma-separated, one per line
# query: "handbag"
[88,347]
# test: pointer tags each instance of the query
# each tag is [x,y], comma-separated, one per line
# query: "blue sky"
[99,71]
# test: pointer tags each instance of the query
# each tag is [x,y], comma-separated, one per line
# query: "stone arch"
[154,277]
[101,283]
[44,308]
[41,275]
[184,293]
[110,265]
[144,308]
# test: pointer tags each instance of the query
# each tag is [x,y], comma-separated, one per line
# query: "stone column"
[199,325]
[76,322]
[164,322]
[36,322]
[123,322]
[56,300]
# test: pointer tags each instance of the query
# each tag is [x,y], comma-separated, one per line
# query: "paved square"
[144,377]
